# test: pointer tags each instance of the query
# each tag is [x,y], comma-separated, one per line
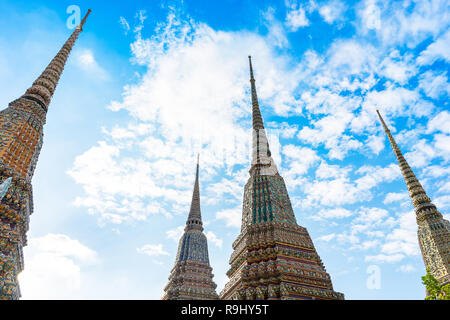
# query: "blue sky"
[150,84]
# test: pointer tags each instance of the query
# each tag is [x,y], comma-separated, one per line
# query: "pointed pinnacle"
[43,88]
[418,195]
[194,220]
[84,19]
[256,112]
[382,122]
[198,165]
[251,68]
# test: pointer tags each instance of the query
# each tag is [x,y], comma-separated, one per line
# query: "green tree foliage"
[434,290]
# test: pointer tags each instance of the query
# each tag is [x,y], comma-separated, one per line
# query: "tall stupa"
[274,258]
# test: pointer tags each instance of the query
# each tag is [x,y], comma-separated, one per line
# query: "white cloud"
[334,213]
[296,19]
[325,101]
[394,101]
[120,186]
[382,258]
[141,17]
[403,239]
[284,129]
[442,202]
[299,159]
[436,171]
[124,23]
[442,146]
[55,266]
[329,131]
[434,84]
[445,187]
[376,233]
[375,175]
[352,57]
[232,217]
[345,238]
[117,188]
[395,197]
[326,171]
[84,59]
[214,239]
[366,245]
[375,143]
[397,23]
[370,15]
[371,216]
[334,192]
[439,122]
[327,237]
[332,11]
[175,234]
[153,250]
[276,30]
[217,191]
[397,67]
[440,49]
[407,268]
[421,154]
[342,190]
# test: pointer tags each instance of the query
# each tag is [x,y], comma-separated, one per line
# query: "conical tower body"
[273,257]
[191,278]
[433,230]
[21,138]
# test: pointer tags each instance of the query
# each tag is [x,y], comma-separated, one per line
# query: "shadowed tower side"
[191,278]
[273,257]
[21,138]
[433,230]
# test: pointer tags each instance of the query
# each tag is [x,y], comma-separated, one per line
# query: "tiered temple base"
[274,257]
[277,261]
[190,280]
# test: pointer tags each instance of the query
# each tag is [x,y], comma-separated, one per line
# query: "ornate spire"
[21,139]
[256,112]
[194,220]
[418,195]
[43,88]
[273,257]
[191,278]
[433,230]
[84,19]
[262,162]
